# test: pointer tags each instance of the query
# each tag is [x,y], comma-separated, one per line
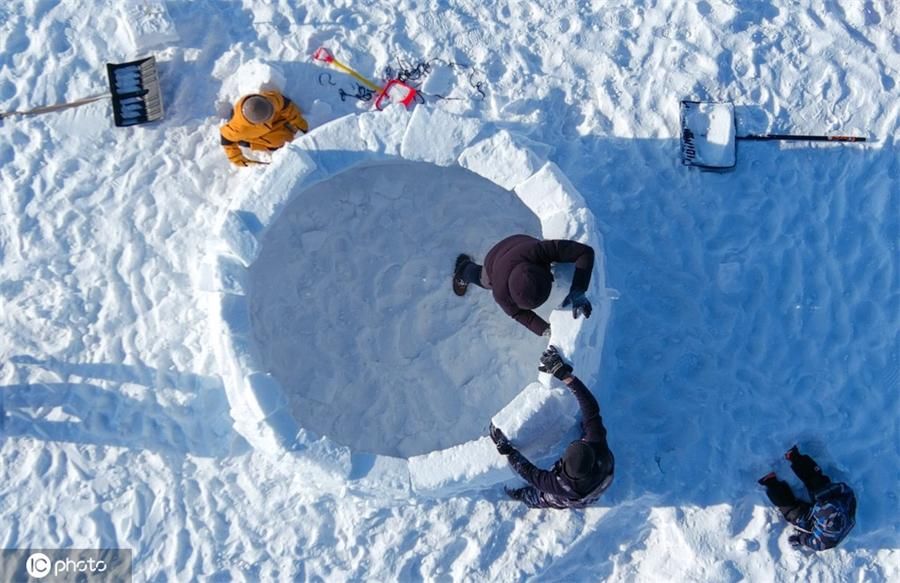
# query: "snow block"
[380,474]
[269,196]
[329,148]
[266,395]
[538,416]
[468,466]
[325,452]
[353,140]
[254,76]
[230,276]
[437,137]
[549,192]
[250,77]
[205,277]
[383,130]
[281,427]
[561,225]
[502,158]
[235,314]
[148,23]
[240,348]
[320,459]
[239,238]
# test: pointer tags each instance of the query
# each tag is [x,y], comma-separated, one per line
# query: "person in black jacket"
[517,271]
[830,515]
[586,468]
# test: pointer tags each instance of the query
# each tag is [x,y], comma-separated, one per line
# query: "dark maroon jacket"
[559,490]
[517,249]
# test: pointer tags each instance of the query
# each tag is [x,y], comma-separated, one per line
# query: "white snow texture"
[261,374]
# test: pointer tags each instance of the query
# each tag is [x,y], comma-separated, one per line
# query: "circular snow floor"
[342,348]
[353,314]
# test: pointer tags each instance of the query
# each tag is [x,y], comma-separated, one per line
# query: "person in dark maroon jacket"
[586,468]
[517,271]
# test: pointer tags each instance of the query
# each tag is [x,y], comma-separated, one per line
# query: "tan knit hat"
[257,109]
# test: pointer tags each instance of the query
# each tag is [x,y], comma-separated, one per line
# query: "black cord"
[363,93]
[411,73]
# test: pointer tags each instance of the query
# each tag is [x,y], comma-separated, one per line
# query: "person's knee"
[796,514]
[780,494]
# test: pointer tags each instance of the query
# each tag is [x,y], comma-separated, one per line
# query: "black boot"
[460,285]
[764,481]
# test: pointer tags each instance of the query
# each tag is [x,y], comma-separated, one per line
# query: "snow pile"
[335,310]
[251,77]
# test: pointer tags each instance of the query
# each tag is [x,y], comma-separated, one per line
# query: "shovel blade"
[395,92]
[708,135]
[136,94]
[323,54]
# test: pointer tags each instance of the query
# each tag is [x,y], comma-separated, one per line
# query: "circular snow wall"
[342,346]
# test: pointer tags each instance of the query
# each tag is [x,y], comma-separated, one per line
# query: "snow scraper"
[709,140]
[395,91]
[135,92]
[134,89]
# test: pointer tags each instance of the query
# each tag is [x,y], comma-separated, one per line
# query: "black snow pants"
[795,510]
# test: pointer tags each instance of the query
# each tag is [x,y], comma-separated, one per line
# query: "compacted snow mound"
[341,340]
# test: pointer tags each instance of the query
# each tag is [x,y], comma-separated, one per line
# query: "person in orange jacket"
[262,121]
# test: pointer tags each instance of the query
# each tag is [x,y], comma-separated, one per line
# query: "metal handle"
[754,137]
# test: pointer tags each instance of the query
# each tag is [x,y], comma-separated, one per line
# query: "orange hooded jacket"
[268,136]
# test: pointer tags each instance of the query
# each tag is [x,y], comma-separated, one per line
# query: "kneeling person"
[586,469]
[824,522]
[263,121]
[517,271]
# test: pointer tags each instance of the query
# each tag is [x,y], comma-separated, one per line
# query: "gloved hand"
[294,128]
[795,541]
[514,493]
[580,304]
[244,162]
[500,440]
[552,362]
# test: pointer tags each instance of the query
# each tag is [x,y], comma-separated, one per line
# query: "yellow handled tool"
[324,55]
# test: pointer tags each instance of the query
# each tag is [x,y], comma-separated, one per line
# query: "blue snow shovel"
[134,89]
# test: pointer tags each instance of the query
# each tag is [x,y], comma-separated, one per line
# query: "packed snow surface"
[353,314]
[757,308]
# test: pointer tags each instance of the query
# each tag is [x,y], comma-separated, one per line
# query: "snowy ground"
[757,308]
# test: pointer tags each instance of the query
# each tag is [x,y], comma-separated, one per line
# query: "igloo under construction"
[342,346]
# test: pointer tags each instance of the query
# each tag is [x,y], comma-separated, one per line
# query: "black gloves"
[580,304]
[795,541]
[552,362]
[514,493]
[500,440]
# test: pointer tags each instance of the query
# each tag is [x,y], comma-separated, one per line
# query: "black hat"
[579,460]
[530,284]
